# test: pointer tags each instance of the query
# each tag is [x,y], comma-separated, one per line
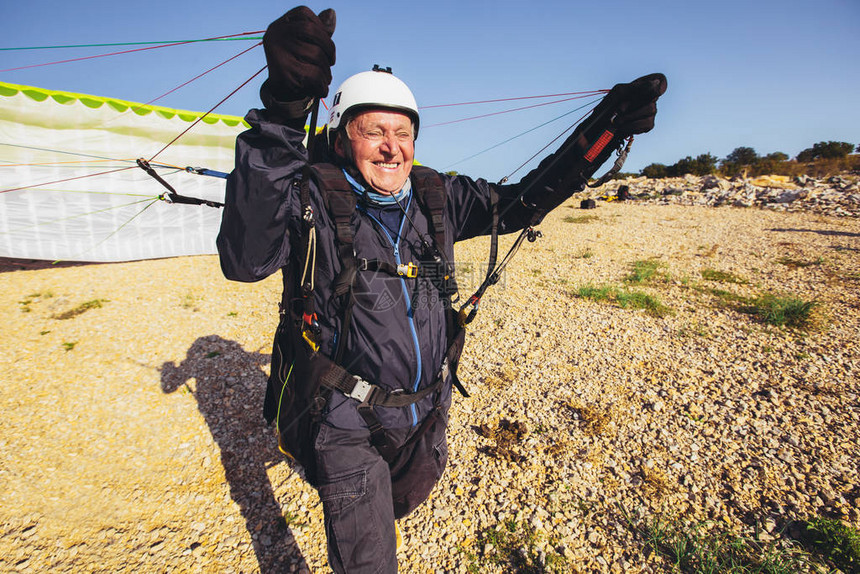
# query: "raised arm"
[262,192]
[626,110]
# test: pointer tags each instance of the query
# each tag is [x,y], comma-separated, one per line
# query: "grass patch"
[646,271]
[624,298]
[580,218]
[722,276]
[69,345]
[81,309]
[33,298]
[726,297]
[799,263]
[832,540]
[516,548]
[769,309]
[604,293]
[698,549]
[781,311]
[814,546]
[640,300]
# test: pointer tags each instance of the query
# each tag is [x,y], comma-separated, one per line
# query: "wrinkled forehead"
[383,118]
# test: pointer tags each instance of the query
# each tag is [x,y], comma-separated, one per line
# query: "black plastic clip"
[533,234]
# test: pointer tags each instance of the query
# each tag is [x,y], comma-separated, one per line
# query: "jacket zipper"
[409,313]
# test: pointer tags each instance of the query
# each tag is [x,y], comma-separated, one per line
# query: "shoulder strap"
[433,196]
[340,201]
[338,197]
[431,193]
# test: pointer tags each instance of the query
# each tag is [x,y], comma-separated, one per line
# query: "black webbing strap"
[494,231]
[431,191]
[366,393]
[370,396]
[432,196]
[401,270]
[340,201]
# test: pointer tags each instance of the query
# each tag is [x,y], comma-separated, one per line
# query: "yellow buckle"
[408,269]
[309,338]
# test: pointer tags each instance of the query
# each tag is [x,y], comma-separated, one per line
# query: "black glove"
[300,54]
[635,104]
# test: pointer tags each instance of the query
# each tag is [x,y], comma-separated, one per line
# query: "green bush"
[782,311]
[833,540]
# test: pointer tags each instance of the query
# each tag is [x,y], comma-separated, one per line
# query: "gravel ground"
[132,438]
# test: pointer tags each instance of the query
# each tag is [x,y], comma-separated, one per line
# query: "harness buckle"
[469,310]
[308,216]
[408,269]
[361,390]
[311,331]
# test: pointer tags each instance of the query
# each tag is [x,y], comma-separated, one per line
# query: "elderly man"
[365,354]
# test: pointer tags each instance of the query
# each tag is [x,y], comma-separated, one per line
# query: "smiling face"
[382,146]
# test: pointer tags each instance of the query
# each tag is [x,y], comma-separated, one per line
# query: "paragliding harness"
[302,377]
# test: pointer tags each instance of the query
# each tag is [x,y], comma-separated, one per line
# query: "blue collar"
[378,199]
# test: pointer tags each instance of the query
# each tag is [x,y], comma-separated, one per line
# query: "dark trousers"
[362,494]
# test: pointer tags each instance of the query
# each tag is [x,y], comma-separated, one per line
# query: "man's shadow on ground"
[230,386]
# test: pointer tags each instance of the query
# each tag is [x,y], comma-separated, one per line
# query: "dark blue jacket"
[397,337]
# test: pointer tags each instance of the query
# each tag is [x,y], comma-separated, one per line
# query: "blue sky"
[776,76]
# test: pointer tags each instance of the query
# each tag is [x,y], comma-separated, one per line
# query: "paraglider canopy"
[72,190]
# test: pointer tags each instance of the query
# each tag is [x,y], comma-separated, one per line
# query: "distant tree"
[776,156]
[822,158]
[705,164]
[771,164]
[825,150]
[682,167]
[742,156]
[655,171]
[741,159]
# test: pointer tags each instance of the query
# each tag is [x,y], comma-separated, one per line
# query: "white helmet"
[376,89]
